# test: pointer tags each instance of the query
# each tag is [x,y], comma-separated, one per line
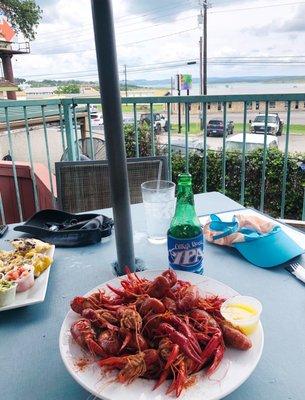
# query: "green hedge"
[254,162]
[253,179]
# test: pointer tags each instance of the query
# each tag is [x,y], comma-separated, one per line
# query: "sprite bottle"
[184,237]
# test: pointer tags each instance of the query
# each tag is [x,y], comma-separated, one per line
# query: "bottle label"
[186,254]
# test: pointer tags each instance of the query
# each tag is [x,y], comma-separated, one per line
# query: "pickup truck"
[274,124]
[159,121]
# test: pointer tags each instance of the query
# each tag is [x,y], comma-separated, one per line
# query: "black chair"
[84,185]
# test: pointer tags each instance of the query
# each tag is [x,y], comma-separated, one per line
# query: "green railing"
[66,114]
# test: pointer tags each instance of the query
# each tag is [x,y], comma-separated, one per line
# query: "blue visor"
[265,250]
[269,250]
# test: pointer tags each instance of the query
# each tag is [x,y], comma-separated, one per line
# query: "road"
[296,142]
[296,117]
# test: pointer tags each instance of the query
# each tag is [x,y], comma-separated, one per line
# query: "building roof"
[41,90]
[6,86]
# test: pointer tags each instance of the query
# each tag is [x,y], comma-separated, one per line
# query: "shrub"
[144,139]
[253,178]
[253,173]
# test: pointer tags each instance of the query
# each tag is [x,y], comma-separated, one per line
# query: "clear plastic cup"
[243,312]
[159,205]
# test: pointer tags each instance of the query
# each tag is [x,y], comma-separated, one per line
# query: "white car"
[253,142]
[195,146]
[96,118]
[274,124]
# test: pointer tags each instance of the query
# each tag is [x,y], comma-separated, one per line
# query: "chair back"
[84,185]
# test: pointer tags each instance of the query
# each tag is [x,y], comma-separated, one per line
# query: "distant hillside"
[235,79]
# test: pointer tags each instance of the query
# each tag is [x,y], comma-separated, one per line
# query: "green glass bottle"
[184,237]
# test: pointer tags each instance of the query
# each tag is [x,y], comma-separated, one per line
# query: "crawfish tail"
[114,362]
[118,292]
[217,359]
[182,341]
[211,347]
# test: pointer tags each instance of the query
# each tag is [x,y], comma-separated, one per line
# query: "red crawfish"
[84,335]
[101,318]
[145,364]
[110,342]
[181,340]
[95,301]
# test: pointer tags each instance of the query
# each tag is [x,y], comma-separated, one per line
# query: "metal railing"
[73,124]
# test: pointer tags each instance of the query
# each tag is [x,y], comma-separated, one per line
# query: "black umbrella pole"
[113,125]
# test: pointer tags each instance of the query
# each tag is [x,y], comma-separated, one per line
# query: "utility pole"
[172,85]
[179,104]
[205,31]
[125,74]
[202,19]
[200,66]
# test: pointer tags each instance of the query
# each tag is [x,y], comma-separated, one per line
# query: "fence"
[73,123]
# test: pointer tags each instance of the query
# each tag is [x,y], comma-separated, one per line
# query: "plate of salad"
[24,273]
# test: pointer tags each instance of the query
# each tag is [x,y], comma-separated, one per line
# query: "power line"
[93,74]
[257,7]
[117,21]
[229,60]
[124,44]
[171,6]
[85,39]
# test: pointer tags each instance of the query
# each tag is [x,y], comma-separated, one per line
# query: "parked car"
[215,128]
[253,142]
[178,146]
[128,120]
[96,118]
[274,124]
[159,121]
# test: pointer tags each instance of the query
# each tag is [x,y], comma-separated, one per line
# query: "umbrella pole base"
[139,266]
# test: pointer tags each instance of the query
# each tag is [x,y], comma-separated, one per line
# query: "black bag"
[67,230]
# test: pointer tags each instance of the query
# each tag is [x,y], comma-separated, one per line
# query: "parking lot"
[296,142]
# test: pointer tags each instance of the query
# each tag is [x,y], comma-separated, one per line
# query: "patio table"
[31,367]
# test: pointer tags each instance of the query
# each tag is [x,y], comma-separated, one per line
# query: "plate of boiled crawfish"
[157,334]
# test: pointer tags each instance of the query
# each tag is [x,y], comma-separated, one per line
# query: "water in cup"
[159,205]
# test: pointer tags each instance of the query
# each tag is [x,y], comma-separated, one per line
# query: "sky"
[156,39]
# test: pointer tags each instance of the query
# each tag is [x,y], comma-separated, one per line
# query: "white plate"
[234,369]
[36,293]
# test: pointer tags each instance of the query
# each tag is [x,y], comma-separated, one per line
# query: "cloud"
[66,28]
[161,10]
[294,23]
[167,11]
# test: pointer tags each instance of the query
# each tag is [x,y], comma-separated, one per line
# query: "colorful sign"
[185,82]
[6,31]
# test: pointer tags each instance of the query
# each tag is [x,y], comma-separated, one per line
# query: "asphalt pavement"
[296,142]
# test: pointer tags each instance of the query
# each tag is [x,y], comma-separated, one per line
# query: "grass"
[194,128]
[295,129]
[143,108]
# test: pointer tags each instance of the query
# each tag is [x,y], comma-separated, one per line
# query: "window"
[209,105]
[249,105]
[257,105]
[261,118]
[219,106]
[230,104]
[296,105]
[272,104]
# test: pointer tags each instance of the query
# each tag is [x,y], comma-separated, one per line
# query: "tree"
[24,15]
[65,89]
